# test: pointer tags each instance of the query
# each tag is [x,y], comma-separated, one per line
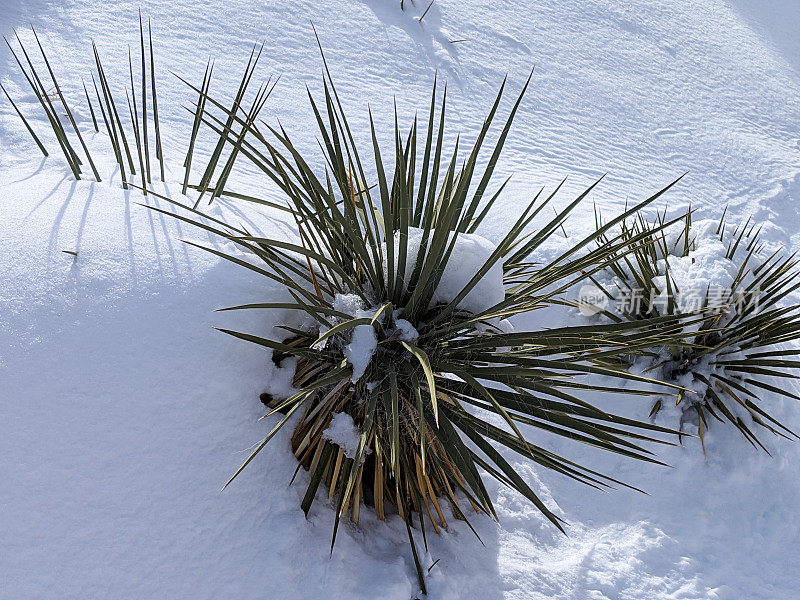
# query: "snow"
[122,412]
[360,350]
[349,304]
[404,330]
[364,338]
[470,253]
[279,378]
[344,433]
[705,267]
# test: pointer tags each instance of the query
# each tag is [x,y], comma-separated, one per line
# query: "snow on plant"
[409,309]
[733,354]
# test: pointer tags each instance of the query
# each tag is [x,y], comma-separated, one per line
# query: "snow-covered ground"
[122,411]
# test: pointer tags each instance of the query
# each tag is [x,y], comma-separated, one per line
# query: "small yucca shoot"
[35,82]
[730,358]
[418,376]
[108,110]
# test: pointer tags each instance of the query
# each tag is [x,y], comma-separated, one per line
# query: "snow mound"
[403,329]
[344,433]
[470,253]
[364,341]
[705,267]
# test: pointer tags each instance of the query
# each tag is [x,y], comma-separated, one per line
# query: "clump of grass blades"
[46,101]
[735,352]
[108,110]
[426,402]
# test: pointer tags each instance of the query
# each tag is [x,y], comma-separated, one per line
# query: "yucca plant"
[735,350]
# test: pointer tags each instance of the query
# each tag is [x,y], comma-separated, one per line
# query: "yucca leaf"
[25,121]
[422,357]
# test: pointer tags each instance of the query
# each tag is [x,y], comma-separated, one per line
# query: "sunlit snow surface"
[122,412]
